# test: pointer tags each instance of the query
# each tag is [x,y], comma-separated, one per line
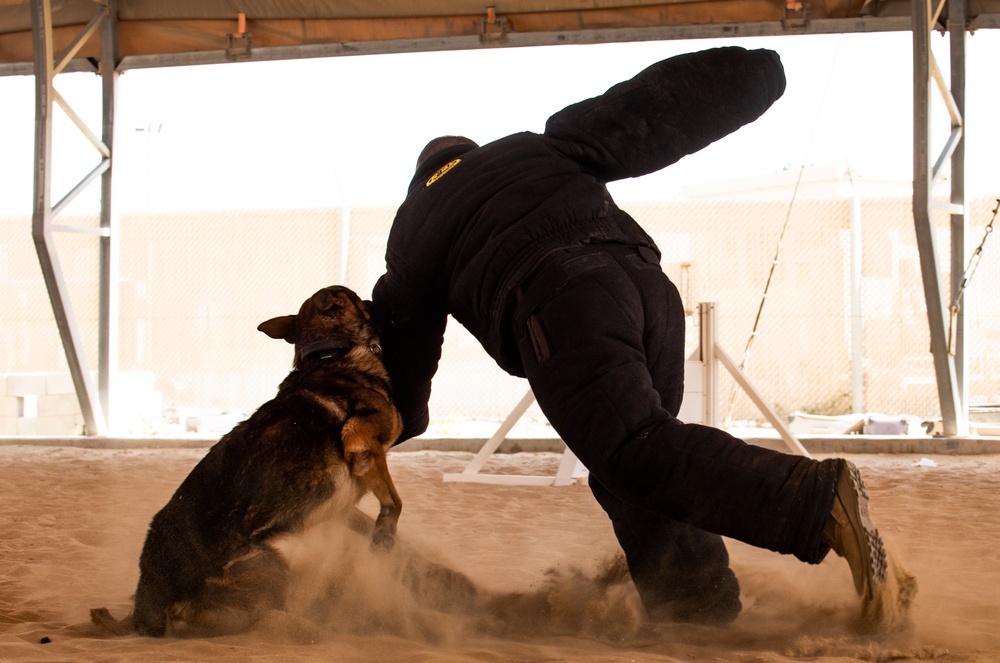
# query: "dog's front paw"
[383,540]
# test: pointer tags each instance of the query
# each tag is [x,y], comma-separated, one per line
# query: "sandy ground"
[72,523]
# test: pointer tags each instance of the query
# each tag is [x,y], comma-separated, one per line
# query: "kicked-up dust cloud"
[341,584]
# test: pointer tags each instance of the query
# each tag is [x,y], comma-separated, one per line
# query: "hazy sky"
[313,132]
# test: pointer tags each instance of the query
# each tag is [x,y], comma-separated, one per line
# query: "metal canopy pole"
[953,414]
[43,211]
[959,222]
[108,311]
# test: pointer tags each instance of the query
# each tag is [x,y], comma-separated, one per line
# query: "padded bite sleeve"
[669,110]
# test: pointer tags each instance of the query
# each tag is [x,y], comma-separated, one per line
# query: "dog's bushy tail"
[108,625]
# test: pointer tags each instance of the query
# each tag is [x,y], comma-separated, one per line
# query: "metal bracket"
[795,15]
[491,27]
[239,43]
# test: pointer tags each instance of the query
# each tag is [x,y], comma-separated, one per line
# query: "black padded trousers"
[600,330]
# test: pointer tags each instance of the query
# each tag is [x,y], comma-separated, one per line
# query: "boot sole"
[856,505]
[888,589]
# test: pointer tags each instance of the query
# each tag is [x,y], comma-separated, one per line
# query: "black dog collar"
[332,349]
[325,349]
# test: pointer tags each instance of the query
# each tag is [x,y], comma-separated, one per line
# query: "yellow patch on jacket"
[441,171]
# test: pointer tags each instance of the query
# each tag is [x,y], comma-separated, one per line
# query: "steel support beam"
[925,14]
[957,30]
[46,67]
[108,298]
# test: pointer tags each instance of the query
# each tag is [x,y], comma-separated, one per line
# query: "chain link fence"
[842,326]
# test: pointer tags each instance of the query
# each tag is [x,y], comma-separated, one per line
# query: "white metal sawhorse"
[569,470]
[700,405]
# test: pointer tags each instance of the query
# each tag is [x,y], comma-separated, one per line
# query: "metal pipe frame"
[94,403]
[949,367]
[957,31]
[706,348]
[947,350]
[108,253]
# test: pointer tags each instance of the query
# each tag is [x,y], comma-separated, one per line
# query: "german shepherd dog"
[211,562]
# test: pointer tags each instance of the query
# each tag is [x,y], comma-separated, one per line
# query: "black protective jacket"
[476,221]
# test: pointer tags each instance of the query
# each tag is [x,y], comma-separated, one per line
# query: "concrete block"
[8,425]
[26,426]
[59,425]
[59,383]
[25,384]
[10,406]
[58,405]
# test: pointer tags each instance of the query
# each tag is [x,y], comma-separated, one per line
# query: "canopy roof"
[154,33]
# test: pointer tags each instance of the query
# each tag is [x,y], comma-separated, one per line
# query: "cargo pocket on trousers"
[539,343]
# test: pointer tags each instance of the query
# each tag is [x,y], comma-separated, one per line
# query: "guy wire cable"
[970,270]
[781,236]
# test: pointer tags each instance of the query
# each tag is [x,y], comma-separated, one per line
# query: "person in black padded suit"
[520,241]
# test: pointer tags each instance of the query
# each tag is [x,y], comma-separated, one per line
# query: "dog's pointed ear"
[281,327]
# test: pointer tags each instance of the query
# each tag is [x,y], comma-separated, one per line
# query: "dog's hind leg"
[106,624]
[249,586]
[149,616]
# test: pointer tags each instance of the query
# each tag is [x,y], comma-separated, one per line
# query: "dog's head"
[333,320]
